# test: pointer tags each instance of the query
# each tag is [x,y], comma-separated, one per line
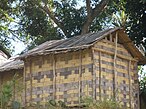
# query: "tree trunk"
[99,8]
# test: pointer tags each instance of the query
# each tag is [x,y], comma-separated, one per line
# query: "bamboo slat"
[115,71]
[30,69]
[94,76]
[138,104]
[100,75]
[130,85]
[54,76]
[80,75]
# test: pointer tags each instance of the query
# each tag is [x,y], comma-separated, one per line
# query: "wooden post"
[30,70]
[54,76]
[130,93]
[138,87]
[111,37]
[24,83]
[14,86]
[94,75]
[100,69]
[1,89]
[80,75]
[115,72]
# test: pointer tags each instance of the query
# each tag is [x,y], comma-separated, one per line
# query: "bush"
[104,104]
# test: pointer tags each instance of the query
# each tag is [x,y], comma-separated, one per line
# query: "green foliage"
[51,104]
[26,21]
[7,93]
[136,25]
[104,104]
[16,105]
[142,79]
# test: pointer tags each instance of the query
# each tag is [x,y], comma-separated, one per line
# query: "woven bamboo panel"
[128,97]
[40,82]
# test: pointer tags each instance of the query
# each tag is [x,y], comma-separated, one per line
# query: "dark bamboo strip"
[118,55]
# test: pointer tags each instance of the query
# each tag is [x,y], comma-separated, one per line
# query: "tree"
[61,18]
[7,14]
[36,21]
[136,9]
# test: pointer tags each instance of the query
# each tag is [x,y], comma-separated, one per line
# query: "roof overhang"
[123,39]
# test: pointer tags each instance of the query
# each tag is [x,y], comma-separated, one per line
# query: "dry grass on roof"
[12,65]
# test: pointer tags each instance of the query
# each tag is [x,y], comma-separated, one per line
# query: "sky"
[18,47]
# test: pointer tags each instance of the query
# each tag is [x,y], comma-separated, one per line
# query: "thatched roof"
[11,64]
[82,42]
[73,43]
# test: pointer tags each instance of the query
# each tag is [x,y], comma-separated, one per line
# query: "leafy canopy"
[36,21]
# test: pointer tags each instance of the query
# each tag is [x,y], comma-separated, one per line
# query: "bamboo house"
[12,69]
[98,65]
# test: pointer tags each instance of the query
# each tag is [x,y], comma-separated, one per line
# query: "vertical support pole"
[130,93]
[138,87]
[24,83]
[94,75]
[115,72]
[30,70]
[14,86]
[1,89]
[100,69]
[54,76]
[80,75]
[111,37]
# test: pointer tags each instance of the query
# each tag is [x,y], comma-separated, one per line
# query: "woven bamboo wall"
[106,70]
[18,87]
[126,82]
[64,77]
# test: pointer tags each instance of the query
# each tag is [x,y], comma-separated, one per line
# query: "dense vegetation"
[35,21]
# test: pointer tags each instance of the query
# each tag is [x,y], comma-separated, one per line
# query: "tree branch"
[88,8]
[56,21]
[99,8]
